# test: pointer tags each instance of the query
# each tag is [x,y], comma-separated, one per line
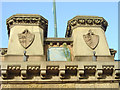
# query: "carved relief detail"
[26,38]
[91,39]
[27,20]
[81,21]
[90,21]
[85,21]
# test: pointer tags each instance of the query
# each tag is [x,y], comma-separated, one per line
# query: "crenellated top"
[85,21]
[27,19]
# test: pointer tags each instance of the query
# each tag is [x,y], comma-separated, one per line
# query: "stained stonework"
[89,63]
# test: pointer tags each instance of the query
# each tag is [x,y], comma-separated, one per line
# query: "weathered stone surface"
[36,47]
[25,64]
[65,85]
[80,48]
[85,21]
[27,20]
[54,71]
[80,27]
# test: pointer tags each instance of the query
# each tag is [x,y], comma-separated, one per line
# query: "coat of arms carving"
[91,39]
[26,38]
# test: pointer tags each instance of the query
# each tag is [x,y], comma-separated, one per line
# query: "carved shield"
[26,38]
[91,39]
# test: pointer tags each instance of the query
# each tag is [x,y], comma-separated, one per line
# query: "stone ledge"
[60,70]
[63,86]
[59,82]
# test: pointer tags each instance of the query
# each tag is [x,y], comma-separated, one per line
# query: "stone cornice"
[27,19]
[85,21]
[80,70]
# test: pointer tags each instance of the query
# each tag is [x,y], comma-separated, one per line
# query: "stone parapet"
[47,72]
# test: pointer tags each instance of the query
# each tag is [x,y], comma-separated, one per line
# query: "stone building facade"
[80,60]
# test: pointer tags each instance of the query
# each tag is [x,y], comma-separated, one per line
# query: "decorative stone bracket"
[23,74]
[117,74]
[43,74]
[62,74]
[81,74]
[99,74]
[4,74]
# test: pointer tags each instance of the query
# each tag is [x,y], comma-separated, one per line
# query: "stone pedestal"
[88,34]
[26,33]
